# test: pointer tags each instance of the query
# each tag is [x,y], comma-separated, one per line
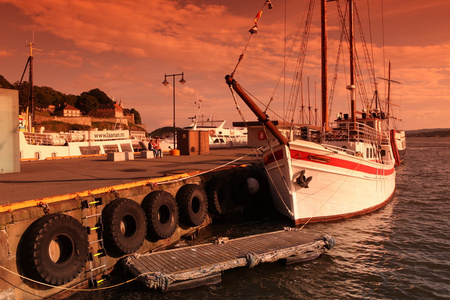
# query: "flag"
[258,15]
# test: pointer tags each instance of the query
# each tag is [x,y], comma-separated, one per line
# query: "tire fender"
[124,227]
[54,249]
[193,204]
[219,198]
[161,211]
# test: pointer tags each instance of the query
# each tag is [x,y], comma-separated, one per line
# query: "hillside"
[431,132]
[44,97]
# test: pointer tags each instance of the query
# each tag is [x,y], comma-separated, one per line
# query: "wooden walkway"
[198,265]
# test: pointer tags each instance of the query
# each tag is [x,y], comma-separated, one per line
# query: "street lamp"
[165,82]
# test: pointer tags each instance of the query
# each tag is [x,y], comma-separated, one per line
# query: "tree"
[102,98]
[24,92]
[44,96]
[69,99]
[137,116]
[86,103]
[5,83]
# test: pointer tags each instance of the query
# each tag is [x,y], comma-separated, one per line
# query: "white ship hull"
[40,147]
[342,185]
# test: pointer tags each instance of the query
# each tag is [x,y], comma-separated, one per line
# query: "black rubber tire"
[54,249]
[193,204]
[239,189]
[161,211]
[219,198]
[124,227]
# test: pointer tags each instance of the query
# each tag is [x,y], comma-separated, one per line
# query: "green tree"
[24,92]
[5,83]
[137,116]
[69,99]
[86,103]
[102,98]
[44,96]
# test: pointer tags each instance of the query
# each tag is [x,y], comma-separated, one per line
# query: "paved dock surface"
[47,178]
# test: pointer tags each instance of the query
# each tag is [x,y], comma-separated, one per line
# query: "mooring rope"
[71,288]
[254,150]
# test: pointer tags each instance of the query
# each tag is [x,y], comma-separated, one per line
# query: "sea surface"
[401,251]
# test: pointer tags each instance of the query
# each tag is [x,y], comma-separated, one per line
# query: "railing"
[38,138]
[347,131]
[340,149]
[306,133]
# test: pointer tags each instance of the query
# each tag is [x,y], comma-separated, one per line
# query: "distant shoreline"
[441,132]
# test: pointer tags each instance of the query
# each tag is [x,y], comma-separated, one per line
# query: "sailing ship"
[344,169]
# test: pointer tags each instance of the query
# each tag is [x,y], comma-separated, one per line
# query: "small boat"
[344,169]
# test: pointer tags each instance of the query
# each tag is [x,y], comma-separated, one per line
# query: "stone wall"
[84,120]
[82,206]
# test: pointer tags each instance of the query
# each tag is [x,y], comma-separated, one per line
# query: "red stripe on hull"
[341,163]
[344,216]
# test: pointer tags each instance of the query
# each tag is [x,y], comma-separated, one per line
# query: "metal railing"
[347,131]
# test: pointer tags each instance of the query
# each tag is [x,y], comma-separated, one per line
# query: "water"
[398,252]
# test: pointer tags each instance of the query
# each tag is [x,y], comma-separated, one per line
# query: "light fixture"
[182,81]
[165,82]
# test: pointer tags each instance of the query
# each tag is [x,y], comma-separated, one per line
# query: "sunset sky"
[125,47]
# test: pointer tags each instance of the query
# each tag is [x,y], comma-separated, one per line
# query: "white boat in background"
[75,143]
[220,136]
[344,169]
[398,142]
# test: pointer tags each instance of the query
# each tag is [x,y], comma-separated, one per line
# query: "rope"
[252,31]
[237,106]
[252,260]
[70,288]
[279,169]
[212,169]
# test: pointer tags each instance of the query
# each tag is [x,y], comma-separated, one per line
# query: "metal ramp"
[202,264]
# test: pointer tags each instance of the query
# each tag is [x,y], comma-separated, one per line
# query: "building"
[67,110]
[110,110]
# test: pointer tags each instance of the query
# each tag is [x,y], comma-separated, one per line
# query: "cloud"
[5,53]
[125,47]
[71,59]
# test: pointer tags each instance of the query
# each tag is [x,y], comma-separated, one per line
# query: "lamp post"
[165,82]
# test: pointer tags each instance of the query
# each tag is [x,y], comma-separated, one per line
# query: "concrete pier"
[79,189]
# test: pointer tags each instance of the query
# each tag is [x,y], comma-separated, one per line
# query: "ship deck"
[49,178]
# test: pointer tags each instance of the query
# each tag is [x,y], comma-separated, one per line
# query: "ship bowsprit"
[190,267]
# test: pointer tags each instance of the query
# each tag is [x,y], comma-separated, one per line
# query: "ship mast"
[30,102]
[352,86]
[324,66]
[30,94]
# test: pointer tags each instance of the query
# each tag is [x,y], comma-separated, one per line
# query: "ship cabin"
[367,137]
